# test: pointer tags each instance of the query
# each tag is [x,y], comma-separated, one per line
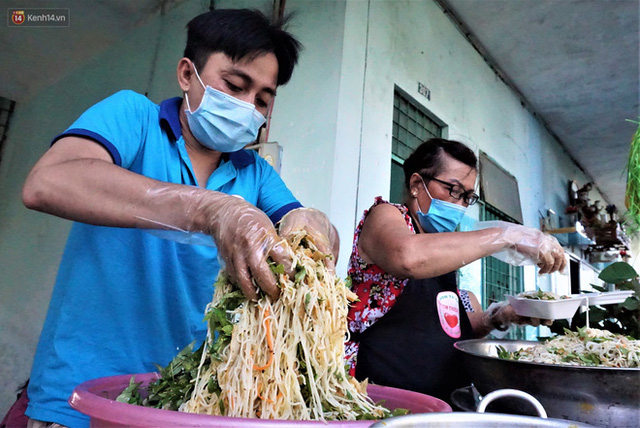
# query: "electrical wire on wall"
[278,9]
[356,207]
[157,47]
[277,15]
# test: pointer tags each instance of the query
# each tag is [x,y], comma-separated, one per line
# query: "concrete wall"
[333,120]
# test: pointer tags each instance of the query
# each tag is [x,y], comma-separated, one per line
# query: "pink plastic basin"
[96,398]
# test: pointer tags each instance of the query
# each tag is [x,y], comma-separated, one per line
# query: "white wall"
[319,113]
[304,122]
[635,251]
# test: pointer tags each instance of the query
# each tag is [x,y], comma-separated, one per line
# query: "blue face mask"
[222,122]
[442,216]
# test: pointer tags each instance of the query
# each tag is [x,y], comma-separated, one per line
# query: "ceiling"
[573,62]
[575,65]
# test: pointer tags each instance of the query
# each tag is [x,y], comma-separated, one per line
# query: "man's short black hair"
[241,33]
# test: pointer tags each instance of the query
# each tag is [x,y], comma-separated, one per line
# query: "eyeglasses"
[457,192]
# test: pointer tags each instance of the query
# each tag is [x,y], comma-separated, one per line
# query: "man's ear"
[185,74]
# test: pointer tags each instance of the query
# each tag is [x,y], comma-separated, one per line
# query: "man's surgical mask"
[442,216]
[222,122]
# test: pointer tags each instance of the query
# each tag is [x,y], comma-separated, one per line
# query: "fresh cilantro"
[131,394]
[277,269]
[503,353]
[300,274]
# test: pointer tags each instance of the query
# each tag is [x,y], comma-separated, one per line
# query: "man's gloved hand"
[525,245]
[500,316]
[244,235]
[317,224]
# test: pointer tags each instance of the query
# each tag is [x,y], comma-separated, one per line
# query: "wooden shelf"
[574,235]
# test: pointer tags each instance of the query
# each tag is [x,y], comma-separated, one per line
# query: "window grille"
[411,127]
[500,278]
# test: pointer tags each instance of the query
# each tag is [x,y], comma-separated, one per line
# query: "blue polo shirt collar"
[170,121]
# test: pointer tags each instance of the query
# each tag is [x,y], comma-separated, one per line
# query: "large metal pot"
[600,396]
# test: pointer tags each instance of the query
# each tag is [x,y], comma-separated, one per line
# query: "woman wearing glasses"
[403,269]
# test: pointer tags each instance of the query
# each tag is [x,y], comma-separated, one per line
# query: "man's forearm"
[97,192]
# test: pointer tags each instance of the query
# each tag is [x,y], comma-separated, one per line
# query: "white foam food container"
[607,298]
[546,309]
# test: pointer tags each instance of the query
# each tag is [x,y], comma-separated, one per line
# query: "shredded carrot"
[265,399]
[260,395]
[267,326]
[228,402]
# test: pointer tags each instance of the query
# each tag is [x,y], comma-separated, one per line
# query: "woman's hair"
[428,159]
[240,33]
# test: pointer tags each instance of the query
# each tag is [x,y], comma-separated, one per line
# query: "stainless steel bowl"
[600,396]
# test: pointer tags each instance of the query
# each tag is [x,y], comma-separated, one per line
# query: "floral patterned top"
[377,290]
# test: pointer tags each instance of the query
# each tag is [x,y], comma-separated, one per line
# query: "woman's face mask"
[442,216]
[222,122]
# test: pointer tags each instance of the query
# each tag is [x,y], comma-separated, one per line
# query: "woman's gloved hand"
[317,224]
[500,316]
[244,235]
[525,245]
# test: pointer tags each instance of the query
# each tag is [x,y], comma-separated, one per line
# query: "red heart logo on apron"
[448,306]
[452,320]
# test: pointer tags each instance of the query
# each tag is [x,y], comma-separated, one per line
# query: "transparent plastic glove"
[500,315]
[318,226]
[244,235]
[526,246]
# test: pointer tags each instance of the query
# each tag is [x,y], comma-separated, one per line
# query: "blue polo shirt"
[125,300]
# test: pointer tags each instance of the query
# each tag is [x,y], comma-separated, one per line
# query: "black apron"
[408,347]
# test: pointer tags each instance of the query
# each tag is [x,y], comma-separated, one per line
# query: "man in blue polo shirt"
[125,299]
